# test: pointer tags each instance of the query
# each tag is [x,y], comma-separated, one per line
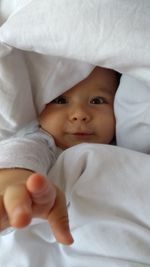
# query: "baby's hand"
[41,199]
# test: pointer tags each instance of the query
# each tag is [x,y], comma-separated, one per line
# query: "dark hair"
[118,74]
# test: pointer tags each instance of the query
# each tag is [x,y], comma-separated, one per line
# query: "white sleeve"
[31,149]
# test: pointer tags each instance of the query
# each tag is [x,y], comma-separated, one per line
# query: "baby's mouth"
[82,134]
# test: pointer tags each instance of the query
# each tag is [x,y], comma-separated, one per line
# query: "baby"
[83,114]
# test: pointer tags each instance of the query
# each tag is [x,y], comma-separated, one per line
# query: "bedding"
[45,48]
[109,213]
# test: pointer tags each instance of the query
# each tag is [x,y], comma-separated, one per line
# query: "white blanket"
[111,33]
[108,210]
[107,187]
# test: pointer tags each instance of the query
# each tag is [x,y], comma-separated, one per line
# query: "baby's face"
[83,114]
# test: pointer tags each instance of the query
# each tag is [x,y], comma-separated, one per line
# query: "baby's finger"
[18,205]
[58,220]
[41,191]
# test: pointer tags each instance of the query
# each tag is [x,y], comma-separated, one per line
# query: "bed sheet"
[111,33]
[109,213]
[42,43]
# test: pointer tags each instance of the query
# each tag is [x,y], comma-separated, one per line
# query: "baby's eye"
[98,100]
[59,100]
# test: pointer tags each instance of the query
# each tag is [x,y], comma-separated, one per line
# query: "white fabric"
[132,112]
[111,33]
[109,201]
[16,97]
[108,210]
[31,148]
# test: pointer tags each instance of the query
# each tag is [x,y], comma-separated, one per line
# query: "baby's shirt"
[31,148]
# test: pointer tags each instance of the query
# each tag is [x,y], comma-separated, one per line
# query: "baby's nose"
[80,115]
